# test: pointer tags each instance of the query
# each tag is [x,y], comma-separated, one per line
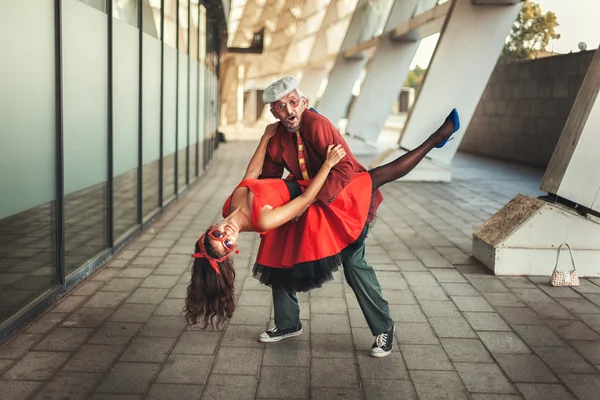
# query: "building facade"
[108,113]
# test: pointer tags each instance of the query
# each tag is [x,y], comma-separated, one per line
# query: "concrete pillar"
[386,73]
[463,61]
[312,79]
[523,237]
[345,72]
[240,94]
[576,153]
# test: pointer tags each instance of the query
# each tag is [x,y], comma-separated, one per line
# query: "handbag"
[564,278]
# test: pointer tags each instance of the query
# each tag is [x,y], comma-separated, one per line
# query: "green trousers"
[363,281]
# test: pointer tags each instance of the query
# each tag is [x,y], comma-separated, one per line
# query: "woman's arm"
[271,218]
[256,162]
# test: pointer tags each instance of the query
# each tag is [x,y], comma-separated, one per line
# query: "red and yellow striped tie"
[301,158]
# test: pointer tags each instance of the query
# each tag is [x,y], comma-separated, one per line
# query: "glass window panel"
[151,19]
[182,121]
[183,26]
[193,117]
[170,22]
[85,100]
[100,5]
[194,28]
[151,123]
[169,120]
[125,125]
[126,10]
[27,220]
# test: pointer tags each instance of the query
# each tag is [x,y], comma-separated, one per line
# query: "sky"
[577,19]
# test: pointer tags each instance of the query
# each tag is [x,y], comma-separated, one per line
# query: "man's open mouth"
[291,118]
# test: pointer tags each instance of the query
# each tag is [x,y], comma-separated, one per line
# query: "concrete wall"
[524,108]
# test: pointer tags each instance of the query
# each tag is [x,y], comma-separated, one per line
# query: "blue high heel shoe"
[453,116]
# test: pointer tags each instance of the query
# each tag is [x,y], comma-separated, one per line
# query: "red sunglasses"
[218,235]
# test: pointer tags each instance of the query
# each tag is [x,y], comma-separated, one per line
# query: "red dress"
[302,255]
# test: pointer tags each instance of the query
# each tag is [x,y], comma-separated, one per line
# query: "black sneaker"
[275,335]
[383,344]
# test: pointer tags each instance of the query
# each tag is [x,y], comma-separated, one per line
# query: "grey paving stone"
[592,320]
[68,385]
[398,296]
[46,322]
[588,349]
[564,359]
[410,265]
[87,318]
[105,396]
[331,346]
[517,282]
[387,368]
[255,298]
[431,385]
[243,336]
[69,303]
[357,318]
[385,267]
[484,378]
[250,315]
[488,396]
[88,288]
[170,270]
[584,386]
[163,326]
[330,324]
[171,307]
[228,361]
[93,358]
[543,391]
[469,303]
[503,342]
[159,282]
[287,353]
[501,299]
[322,373]
[538,335]
[105,274]
[36,366]
[4,364]
[162,391]
[134,272]
[431,258]
[284,383]
[390,389]
[427,357]
[525,368]
[519,316]
[106,299]
[221,387]
[579,306]
[179,291]
[401,313]
[420,279]
[458,289]
[560,292]
[115,333]
[328,290]
[19,345]
[466,350]
[549,311]
[429,293]
[148,296]
[128,378]
[185,369]
[415,333]
[121,284]
[64,339]
[148,349]
[448,276]
[17,390]
[439,308]
[573,330]
[194,342]
[339,393]
[489,285]
[134,313]
[452,327]
[532,295]
[324,305]
[481,321]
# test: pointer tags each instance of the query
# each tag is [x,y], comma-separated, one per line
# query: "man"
[305,130]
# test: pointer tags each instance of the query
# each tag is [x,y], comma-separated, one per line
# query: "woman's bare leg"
[404,164]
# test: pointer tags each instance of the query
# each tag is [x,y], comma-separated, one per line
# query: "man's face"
[289,110]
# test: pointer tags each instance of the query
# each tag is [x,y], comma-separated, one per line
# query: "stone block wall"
[524,108]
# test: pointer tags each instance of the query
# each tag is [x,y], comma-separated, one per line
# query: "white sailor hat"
[279,89]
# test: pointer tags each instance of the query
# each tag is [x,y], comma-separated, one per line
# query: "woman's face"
[223,237]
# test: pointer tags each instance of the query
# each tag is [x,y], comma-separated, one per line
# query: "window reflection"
[126,10]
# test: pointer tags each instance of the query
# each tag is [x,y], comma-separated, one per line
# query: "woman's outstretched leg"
[404,164]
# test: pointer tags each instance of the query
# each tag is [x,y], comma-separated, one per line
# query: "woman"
[300,259]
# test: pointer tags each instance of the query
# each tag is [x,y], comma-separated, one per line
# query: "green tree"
[530,33]
[415,78]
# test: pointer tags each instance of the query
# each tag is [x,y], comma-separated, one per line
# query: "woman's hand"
[334,155]
[270,130]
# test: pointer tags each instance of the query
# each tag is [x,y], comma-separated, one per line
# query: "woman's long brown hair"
[210,297]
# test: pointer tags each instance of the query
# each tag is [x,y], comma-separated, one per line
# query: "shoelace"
[381,339]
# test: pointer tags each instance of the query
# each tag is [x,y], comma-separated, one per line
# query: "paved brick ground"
[461,333]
